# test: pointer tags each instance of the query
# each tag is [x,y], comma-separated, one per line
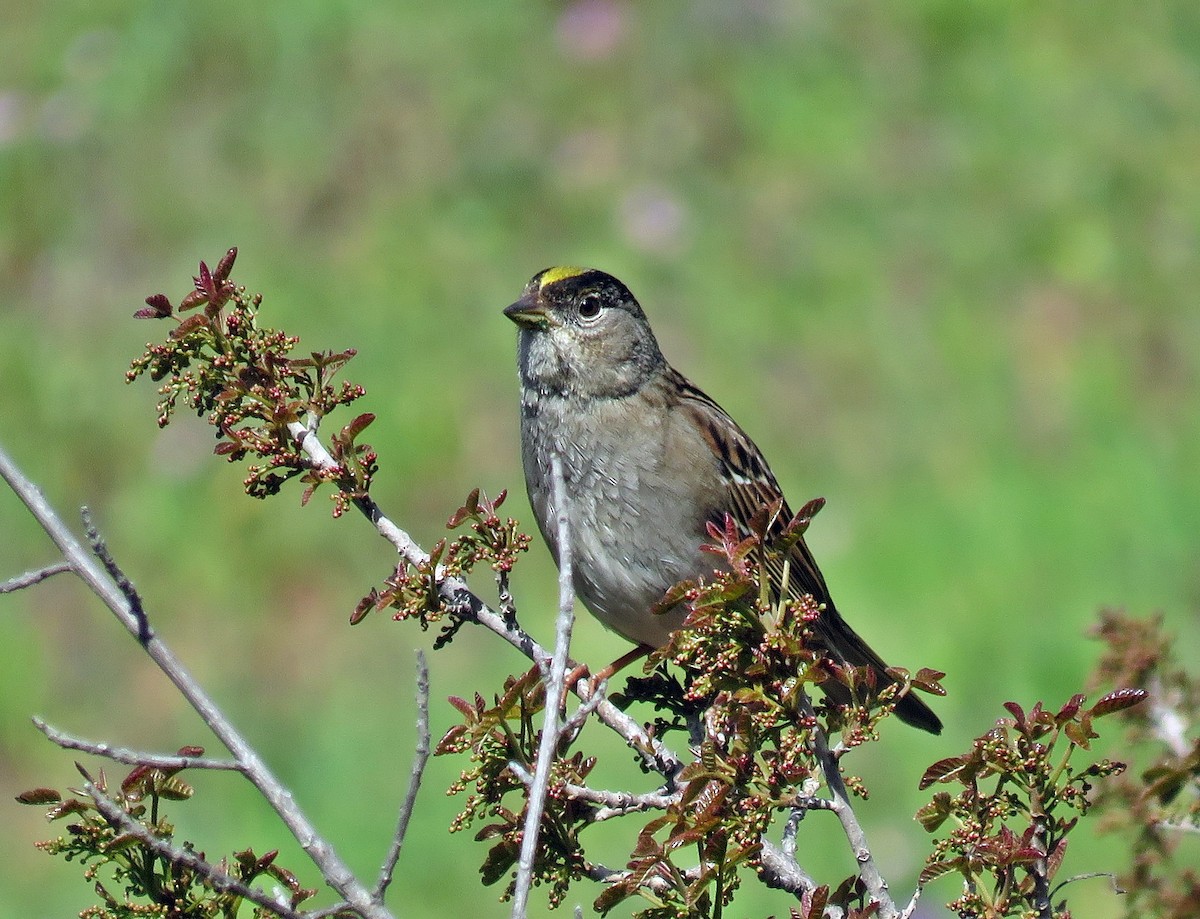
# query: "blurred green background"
[938,259]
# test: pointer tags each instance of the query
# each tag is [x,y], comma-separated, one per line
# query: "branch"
[420,758]
[131,757]
[219,879]
[29,578]
[619,803]
[467,605]
[104,584]
[868,871]
[782,872]
[555,691]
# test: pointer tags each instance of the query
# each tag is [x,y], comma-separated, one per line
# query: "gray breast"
[636,531]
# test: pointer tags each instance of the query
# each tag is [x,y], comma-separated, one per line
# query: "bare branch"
[555,692]
[420,758]
[29,578]
[619,803]
[131,757]
[221,880]
[103,584]
[782,872]
[469,606]
[868,871]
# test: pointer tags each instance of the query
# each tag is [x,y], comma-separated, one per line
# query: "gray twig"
[131,757]
[469,606]
[420,758]
[29,578]
[555,693]
[132,598]
[868,871]
[104,583]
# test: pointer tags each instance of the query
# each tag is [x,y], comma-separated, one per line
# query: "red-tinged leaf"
[364,606]
[811,509]
[225,265]
[190,751]
[357,426]
[1071,709]
[499,860]
[942,771]
[137,776]
[469,509]
[499,499]
[263,862]
[205,281]
[189,325]
[935,870]
[465,708]
[611,896]
[284,877]
[39,796]
[66,808]
[763,519]
[1017,712]
[225,447]
[1080,732]
[928,681]
[1055,859]
[1118,700]
[813,902]
[435,554]
[194,299]
[157,307]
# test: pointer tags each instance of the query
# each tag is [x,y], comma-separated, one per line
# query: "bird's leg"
[581,671]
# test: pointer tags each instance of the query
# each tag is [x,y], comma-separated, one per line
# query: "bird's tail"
[845,646]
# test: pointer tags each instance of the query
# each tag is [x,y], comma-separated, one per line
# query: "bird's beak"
[529,314]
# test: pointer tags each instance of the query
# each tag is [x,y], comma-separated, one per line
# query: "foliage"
[412,589]
[1011,818]
[221,363]
[131,877]
[748,668]
[1156,806]
[738,679]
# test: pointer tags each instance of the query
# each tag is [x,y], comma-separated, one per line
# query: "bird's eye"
[589,306]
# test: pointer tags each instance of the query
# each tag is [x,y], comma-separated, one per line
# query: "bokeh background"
[938,258]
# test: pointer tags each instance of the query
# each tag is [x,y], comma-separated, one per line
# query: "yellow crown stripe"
[554,275]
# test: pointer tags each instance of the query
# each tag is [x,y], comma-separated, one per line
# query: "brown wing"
[751,487]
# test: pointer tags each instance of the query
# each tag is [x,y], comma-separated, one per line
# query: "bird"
[649,461]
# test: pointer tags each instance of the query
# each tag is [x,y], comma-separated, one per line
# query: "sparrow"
[649,460]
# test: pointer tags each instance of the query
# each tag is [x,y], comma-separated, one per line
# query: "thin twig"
[868,871]
[574,724]
[555,692]
[619,803]
[335,871]
[911,909]
[467,605]
[420,758]
[29,578]
[131,757]
[219,879]
[132,598]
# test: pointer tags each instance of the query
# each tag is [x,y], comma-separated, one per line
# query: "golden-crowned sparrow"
[648,460]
